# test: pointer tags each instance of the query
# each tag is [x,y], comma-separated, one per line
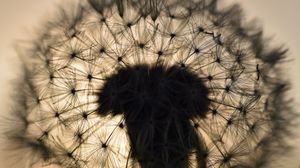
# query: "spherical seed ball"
[150,84]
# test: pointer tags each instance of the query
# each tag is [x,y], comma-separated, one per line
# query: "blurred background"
[280,20]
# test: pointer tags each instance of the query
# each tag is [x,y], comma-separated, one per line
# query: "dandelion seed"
[113,83]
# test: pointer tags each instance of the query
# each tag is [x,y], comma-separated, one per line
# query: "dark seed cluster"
[150,84]
[157,103]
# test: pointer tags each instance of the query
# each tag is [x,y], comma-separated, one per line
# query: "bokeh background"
[279,18]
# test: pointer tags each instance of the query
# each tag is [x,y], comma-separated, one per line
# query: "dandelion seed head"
[150,84]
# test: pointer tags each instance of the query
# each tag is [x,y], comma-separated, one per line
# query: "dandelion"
[126,83]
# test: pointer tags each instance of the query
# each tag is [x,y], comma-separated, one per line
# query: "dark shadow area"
[158,103]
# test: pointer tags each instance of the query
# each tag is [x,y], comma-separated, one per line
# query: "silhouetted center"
[157,103]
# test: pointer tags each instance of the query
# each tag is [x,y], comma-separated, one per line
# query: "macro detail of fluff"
[150,84]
